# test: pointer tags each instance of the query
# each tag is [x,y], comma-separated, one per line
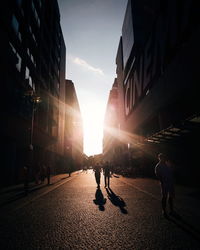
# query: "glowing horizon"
[93,119]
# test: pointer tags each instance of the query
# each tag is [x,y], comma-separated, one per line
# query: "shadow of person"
[116,200]
[99,199]
[180,222]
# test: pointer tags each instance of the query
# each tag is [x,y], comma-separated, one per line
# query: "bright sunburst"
[93,116]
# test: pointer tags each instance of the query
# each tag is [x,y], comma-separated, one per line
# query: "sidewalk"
[12,193]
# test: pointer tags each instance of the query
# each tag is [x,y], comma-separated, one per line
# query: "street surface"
[74,214]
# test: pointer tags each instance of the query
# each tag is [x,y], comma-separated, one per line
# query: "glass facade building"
[32,74]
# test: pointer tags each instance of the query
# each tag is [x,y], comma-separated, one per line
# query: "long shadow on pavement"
[16,193]
[116,200]
[21,194]
[185,226]
[99,199]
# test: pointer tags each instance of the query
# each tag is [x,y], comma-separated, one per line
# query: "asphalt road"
[74,214]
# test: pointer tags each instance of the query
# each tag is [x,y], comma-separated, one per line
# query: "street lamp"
[34,100]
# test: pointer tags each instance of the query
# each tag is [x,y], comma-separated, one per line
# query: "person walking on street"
[48,171]
[107,173]
[42,172]
[164,173]
[97,173]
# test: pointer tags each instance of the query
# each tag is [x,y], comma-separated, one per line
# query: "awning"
[174,133]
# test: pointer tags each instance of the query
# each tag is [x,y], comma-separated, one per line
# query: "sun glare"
[93,117]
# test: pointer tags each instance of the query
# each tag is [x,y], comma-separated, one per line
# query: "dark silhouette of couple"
[106,171]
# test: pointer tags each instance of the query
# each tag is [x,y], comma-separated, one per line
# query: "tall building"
[157,75]
[32,75]
[111,123]
[73,128]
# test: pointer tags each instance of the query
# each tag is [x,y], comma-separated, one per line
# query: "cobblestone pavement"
[74,214]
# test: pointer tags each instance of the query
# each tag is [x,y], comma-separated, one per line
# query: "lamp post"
[35,100]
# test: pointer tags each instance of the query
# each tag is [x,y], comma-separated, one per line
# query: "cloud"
[87,66]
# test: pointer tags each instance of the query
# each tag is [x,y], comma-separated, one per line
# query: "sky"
[91,30]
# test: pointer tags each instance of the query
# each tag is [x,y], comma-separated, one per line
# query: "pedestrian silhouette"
[97,173]
[107,173]
[69,168]
[42,172]
[116,200]
[48,172]
[164,173]
[99,199]
[84,169]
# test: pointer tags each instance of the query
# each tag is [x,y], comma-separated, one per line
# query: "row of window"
[35,14]
[31,57]
[18,66]
[15,24]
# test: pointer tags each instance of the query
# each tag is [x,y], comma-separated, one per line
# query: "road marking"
[44,193]
[141,190]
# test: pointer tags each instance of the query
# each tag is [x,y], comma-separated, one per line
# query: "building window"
[13,48]
[31,56]
[19,64]
[35,14]
[28,51]
[20,36]
[39,3]
[15,24]
[33,36]
[30,82]
[29,79]
[33,86]
[27,73]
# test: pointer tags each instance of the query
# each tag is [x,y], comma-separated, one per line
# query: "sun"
[93,117]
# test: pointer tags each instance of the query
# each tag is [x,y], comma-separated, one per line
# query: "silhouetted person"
[48,171]
[164,172]
[85,169]
[42,172]
[99,199]
[107,173]
[97,173]
[70,169]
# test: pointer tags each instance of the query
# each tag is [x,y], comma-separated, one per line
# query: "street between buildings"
[73,214]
